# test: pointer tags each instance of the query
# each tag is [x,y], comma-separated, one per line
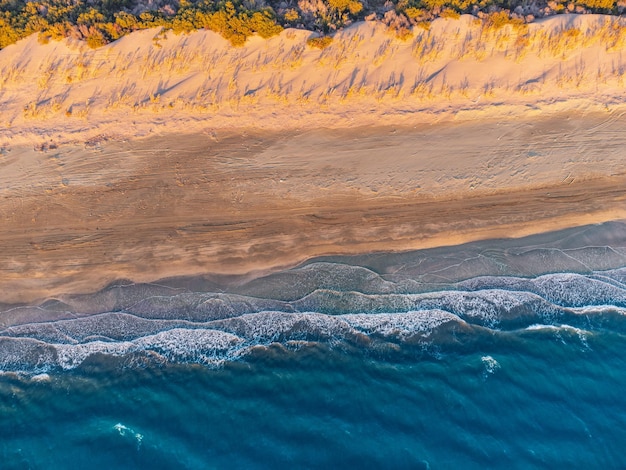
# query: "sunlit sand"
[159,156]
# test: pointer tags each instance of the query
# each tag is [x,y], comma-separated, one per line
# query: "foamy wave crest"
[567,289]
[416,303]
[178,345]
[403,326]
[488,307]
[213,342]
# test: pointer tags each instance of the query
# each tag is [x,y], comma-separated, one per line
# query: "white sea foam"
[125,431]
[491,365]
[328,303]
[488,306]
[598,310]
[121,429]
[539,327]
[563,327]
[182,345]
[267,327]
[401,325]
[563,289]
[581,334]
[41,378]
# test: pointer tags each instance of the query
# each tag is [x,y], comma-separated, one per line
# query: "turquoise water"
[496,354]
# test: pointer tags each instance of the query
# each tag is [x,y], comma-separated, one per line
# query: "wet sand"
[78,217]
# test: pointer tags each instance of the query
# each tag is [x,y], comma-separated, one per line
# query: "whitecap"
[539,327]
[125,431]
[41,378]
[491,365]
[401,325]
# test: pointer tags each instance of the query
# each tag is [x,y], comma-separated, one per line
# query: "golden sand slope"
[459,69]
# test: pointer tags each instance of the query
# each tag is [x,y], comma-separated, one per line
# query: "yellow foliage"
[321,42]
[432,4]
[126,20]
[8,34]
[353,6]
[416,13]
[292,15]
[264,25]
[96,39]
[500,19]
[600,4]
[450,13]
[92,16]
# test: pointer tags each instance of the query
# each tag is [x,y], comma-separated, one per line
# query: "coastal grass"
[353,66]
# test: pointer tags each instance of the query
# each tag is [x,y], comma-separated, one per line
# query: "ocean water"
[503,353]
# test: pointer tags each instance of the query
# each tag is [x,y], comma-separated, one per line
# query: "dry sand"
[459,70]
[133,162]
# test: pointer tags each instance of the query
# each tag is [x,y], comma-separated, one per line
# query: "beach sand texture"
[75,219]
[151,158]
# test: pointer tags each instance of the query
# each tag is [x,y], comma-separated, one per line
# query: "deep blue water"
[499,354]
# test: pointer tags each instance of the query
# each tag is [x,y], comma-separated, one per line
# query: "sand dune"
[155,157]
[151,82]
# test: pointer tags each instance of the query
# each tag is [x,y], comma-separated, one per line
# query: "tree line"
[99,22]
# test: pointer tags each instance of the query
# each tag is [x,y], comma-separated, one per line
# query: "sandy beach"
[76,218]
[133,162]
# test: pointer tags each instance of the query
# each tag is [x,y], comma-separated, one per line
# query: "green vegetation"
[99,22]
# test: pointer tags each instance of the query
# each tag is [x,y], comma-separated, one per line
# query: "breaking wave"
[424,303]
[210,328]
